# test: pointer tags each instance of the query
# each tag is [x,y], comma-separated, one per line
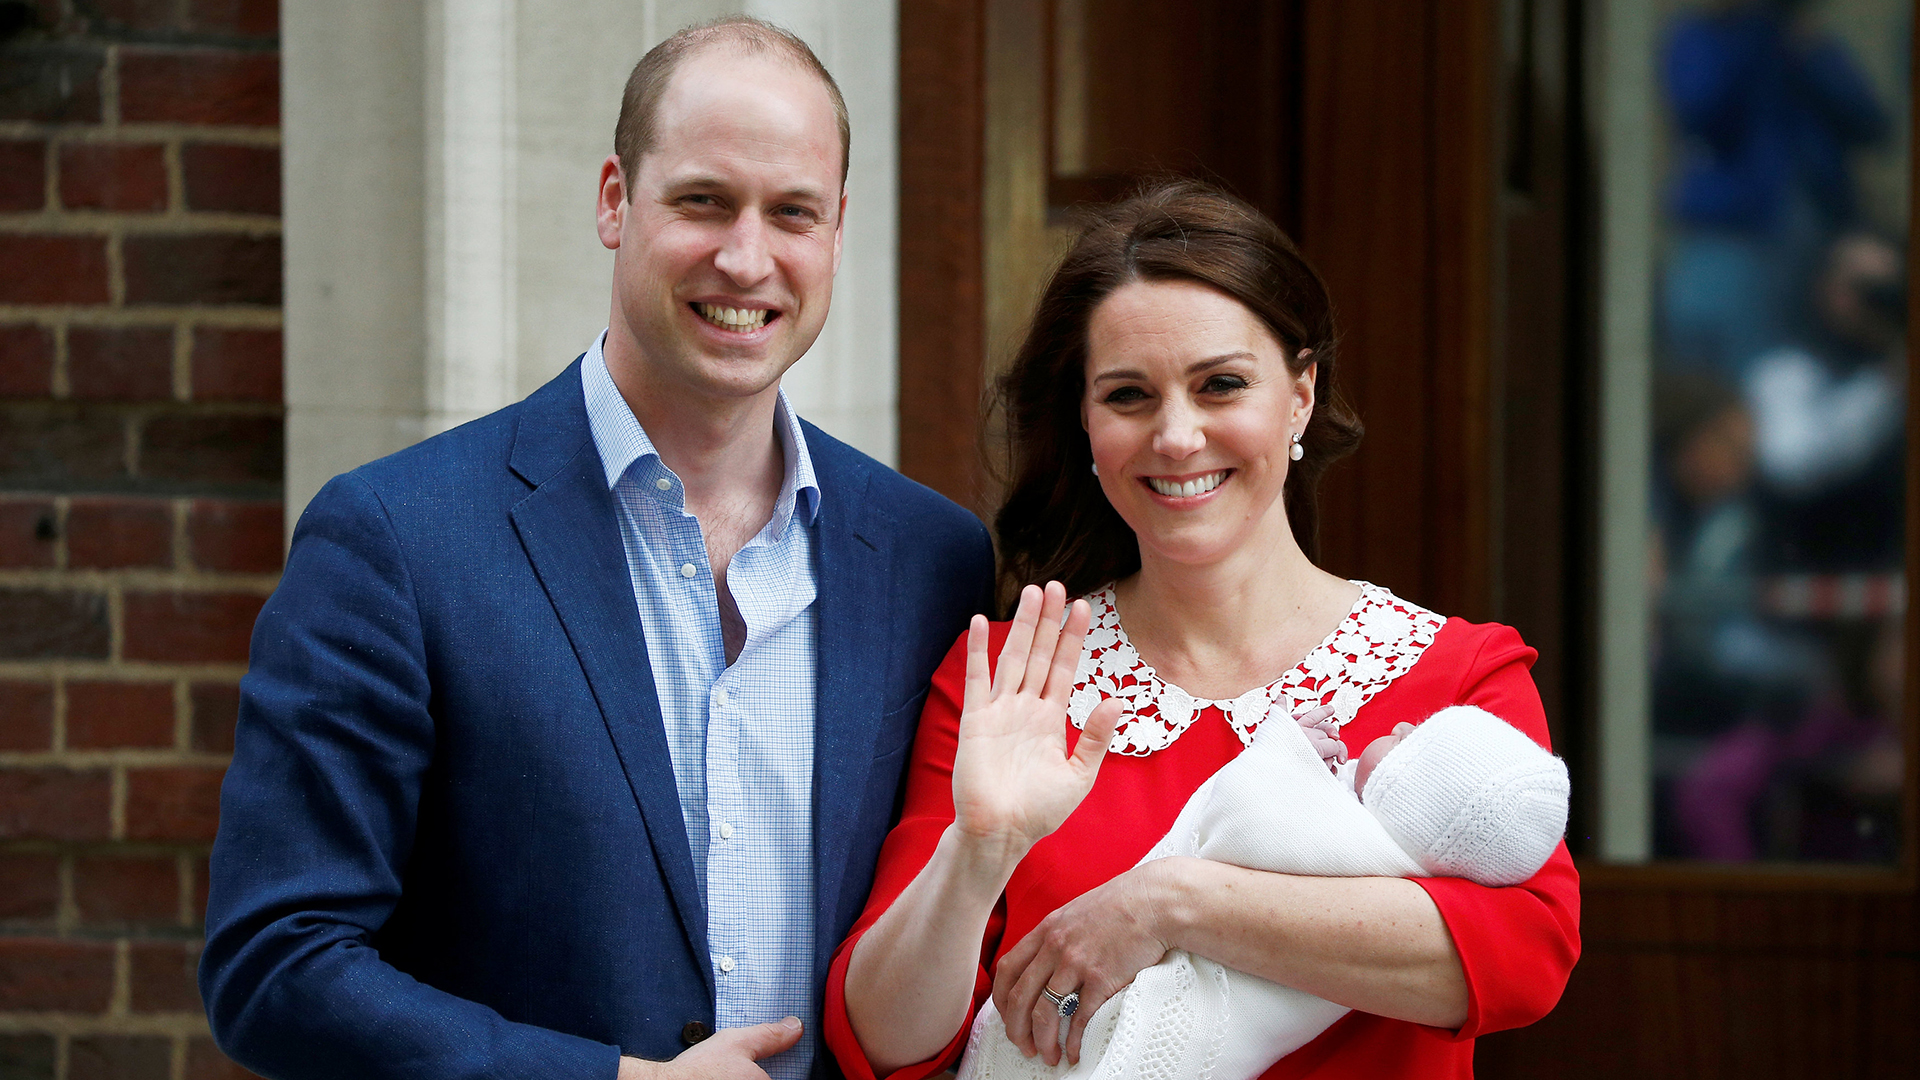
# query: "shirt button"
[688,570]
[663,484]
[726,963]
[719,697]
[726,830]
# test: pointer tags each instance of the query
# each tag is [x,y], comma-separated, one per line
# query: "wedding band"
[1067,1003]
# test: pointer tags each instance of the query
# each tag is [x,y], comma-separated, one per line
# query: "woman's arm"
[910,978]
[1374,944]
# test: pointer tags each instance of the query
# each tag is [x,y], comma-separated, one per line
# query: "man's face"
[726,239]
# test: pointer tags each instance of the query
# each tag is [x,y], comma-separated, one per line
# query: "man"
[571,736]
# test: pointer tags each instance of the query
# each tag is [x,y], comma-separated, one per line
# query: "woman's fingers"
[1046,1025]
[1006,977]
[1046,636]
[1090,1002]
[1040,1015]
[1013,653]
[1066,654]
[978,684]
[1091,748]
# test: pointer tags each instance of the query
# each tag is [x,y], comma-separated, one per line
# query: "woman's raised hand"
[1013,780]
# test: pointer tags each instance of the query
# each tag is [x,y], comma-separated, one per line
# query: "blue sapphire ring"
[1068,1003]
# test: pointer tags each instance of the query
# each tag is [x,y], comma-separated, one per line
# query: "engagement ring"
[1068,1003]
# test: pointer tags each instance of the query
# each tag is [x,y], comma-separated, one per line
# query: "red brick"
[119,1057]
[53,804]
[26,533]
[29,887]
[42,975]
[27,1057]
[110,176]
[205,269]
[235,179]
[190,628]
[206,1062]
[176,804]
[163,977]
[53,270]
[26,716]
[241,18]
[109,534]
[122,891]
[147,15]
[51,445]
[47,624]
[51,82]
[120,363]
[23,175]
[236,536]
[201,878]
[26,361]
[215,707]
[237,365]
[105,715]
[200,86]
[213,449]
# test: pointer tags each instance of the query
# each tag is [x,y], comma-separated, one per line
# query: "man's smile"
[740,319]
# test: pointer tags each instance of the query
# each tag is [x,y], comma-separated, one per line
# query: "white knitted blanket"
[1275,807]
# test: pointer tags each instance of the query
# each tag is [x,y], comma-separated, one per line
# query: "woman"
[1169,415]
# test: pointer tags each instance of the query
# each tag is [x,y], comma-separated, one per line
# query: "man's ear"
[839,230]
[612,209]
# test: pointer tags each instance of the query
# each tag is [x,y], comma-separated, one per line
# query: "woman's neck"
[1220,629]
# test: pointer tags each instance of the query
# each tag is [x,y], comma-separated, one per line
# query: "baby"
[1464,794]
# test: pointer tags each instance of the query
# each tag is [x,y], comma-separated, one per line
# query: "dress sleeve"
[1517,944]
[925,815]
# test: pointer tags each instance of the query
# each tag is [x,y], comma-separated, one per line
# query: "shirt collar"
[624,446]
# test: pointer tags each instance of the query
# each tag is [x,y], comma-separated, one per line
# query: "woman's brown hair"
[1055,523]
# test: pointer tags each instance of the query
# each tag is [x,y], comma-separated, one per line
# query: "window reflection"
[1777,398]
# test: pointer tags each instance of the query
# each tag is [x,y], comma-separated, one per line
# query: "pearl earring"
[1096,468]
[1296,452]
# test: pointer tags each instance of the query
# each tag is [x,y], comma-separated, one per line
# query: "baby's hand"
[1376,750]
[1323,732]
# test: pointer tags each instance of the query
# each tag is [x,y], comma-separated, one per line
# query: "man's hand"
[729,1054]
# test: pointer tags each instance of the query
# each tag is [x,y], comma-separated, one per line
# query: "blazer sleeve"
[317,822]
[1517,944]
[926,812]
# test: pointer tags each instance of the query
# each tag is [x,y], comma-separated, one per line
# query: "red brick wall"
[140,479]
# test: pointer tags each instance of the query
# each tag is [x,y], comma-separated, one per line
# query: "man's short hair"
[634,135]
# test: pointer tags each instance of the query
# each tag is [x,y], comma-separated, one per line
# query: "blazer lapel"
[853,560]
[570,530]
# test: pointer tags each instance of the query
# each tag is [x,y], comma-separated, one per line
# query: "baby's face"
[1377,749]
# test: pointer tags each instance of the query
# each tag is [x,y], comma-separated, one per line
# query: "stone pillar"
[442,161]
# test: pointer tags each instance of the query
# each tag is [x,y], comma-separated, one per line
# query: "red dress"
[1517,945]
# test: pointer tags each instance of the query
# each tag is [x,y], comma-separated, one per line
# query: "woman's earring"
[1096,468]
[1296,452]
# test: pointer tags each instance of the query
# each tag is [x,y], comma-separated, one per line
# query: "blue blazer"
[450,843]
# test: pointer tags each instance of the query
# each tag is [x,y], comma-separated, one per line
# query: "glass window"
[1752,158]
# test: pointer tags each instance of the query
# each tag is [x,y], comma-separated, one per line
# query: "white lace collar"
[1378,641]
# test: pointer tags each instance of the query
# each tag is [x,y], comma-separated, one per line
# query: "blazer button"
[694,1032]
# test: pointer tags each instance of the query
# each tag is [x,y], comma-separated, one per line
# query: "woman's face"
[1191,411]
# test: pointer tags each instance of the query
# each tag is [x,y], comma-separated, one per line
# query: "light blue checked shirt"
[741,736]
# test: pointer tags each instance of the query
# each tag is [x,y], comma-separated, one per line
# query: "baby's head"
[1467,795]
